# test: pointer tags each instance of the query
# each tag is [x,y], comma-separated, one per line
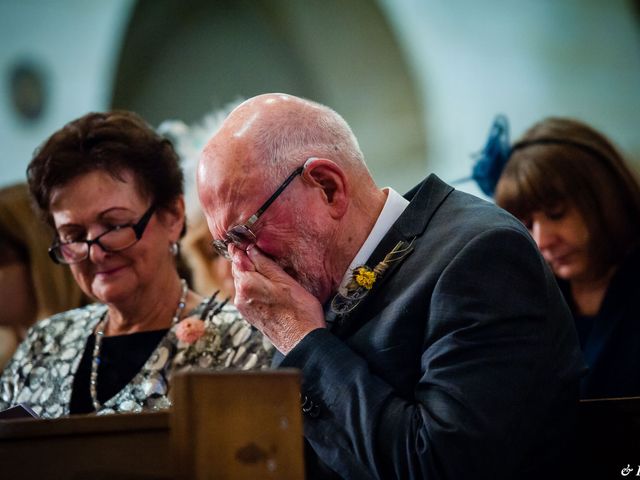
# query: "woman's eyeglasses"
[115,239]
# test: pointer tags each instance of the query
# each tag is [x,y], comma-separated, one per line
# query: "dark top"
[461,362]
[610,340]
[121,358]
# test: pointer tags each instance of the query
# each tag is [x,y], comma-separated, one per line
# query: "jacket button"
[314,411]
[310,408]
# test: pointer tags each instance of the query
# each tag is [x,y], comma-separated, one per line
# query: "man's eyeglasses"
[241,235]
[115,239]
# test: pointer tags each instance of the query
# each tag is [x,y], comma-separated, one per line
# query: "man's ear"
[331,181]
[173,218]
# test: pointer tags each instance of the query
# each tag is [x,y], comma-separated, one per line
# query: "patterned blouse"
[41,373]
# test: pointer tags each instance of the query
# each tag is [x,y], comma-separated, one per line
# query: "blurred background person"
[31,286]
[209,271]
[112,190]
[572,189]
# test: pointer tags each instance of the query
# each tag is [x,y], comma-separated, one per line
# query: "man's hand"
[272,301]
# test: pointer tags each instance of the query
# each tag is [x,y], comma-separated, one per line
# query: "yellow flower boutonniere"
[363,279]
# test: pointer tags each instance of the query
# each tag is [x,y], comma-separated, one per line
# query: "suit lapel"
[425,199]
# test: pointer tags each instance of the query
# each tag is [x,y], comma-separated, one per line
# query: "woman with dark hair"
[112,190]
[571,188]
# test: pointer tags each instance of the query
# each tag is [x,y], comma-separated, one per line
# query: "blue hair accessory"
[490,162]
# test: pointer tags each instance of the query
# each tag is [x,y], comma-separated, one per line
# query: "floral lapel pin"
[363,279]
[199,338]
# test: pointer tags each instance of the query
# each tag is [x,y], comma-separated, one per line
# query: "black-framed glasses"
[241,235]
[115,239]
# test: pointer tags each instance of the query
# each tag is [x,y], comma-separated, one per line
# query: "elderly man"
[432,339]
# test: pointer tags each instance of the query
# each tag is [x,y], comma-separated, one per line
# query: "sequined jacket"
[41,372]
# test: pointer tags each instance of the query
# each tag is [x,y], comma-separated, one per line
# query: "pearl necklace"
[95,359]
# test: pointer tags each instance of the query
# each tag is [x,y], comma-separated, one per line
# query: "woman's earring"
[174,248]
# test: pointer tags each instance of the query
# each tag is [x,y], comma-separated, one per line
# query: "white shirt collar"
[393,208]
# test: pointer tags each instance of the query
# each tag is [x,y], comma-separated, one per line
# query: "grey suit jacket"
[461,363]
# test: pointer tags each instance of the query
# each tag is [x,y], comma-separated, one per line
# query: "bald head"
[268,136]
[272,134]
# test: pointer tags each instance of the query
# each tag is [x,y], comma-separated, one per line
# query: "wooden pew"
[241,425]
[238,425]
[131,446]
[227,425]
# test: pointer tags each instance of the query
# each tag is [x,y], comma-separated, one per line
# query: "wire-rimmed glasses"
[241,235]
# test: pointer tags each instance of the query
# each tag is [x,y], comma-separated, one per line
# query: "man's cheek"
[270,249]
[278,257]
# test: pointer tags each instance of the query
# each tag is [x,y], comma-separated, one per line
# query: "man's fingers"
[240,261]
[264,265]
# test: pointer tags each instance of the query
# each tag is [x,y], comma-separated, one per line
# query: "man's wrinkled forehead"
[227,192]
[223,159]
[220,204]
[229,173]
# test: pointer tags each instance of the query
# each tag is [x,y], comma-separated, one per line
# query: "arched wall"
[182,59]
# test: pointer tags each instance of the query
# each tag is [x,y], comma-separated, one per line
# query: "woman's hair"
[563,162]
[112,142]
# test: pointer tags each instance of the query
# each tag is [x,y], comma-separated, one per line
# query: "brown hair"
[113,142]
[565,162]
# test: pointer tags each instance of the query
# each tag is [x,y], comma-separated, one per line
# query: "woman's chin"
[111,296]
[568,272]
[111,291]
